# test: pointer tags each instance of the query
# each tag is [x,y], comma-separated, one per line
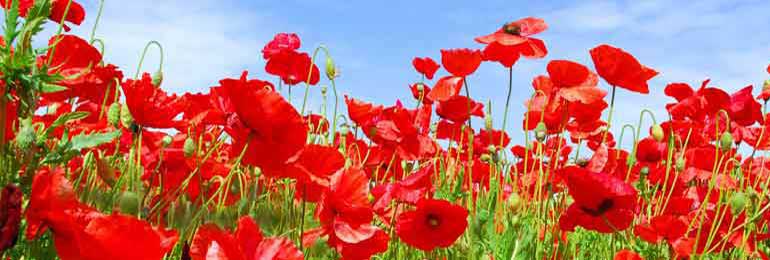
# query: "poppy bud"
[129,203]
[113,114]
[766,88]
[166,140]
[491,149]
[680,163]
[514,202]
[344,130]
[488,122]
[485,158]
[420,87]
[189,147]
[324,88]
[331,71]
[540,131]
[26,134]
[644,171]
[157,78]
[738,202]
[657,132]
[726,142]
[125,117]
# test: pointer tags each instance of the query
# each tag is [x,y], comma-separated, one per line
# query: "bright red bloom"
[293,67]
[212,243]
[516,32]
[743,109]
[508,55]
[425,66]
[621,69]
[459,109]
[281,42]
[461,62]
[433,224]
[696,105]
[149,105]
[273,130]
[650,151]
[75,14]
[626,254]
[664,227]
[420,92]
[446,88]
[602,202]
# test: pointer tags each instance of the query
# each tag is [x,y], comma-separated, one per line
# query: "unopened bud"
[540,131]
[657,132]
[166,140]
[26,135]
[129,203]
[644,171]
[738,202]
[488,122]
[113,114]
[157,78]
[189,147]
[680,163]
[125,116]
[344,130]
[485,158]
[331,71]
[726,142]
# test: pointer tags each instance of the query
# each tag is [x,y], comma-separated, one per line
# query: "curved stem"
[334,120]
[622,131]
[639,128]
[59,31]
[98,17]
[101,46]
[144,53]
[310,74]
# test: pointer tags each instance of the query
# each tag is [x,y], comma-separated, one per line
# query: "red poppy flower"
[602,202]
[420,92]
[459,109]
[280,42]
[696,105]
[360,112]
[316,165]
[425,66]
[212,243]
[433,224]
[516,32]
[446,88]
[75,14]
[508,55]
[149,105]
[273,130]
[621,69]
[743,109]
[626,254]
[650,151]
[664,227]
[70,51]
[461,62]
[293,67]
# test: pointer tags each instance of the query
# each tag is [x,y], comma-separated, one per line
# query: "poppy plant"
[619,68]
[603,203]
[425,66]
[149,105]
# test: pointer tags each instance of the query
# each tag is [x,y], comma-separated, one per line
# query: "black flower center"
[433,221]
[512,29]
[603,207]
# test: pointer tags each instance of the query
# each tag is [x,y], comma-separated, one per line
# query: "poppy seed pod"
[485,158]
[512,29]
[344,130]
[488,122]
[324,89]
[189,147]
[540,131]
[125,116]
[680,163]
[129,203]
[420,87]
[657,132]
[726,141]
[113,114]
[157,78]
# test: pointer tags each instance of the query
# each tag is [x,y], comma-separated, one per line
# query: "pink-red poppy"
[281,42]
[150,106]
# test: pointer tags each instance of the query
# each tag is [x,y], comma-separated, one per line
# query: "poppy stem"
[468,95]
[310,74]
[144,53]
[96,22]
[609,116]
[59,31]
[507,103]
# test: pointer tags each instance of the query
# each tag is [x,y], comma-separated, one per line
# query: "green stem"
[98,17]
[310,74]
[507,103]
[144,53]
[609,117]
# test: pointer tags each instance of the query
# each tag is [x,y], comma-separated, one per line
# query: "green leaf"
[51,88]
[83,141]
[63,119]
[11,22]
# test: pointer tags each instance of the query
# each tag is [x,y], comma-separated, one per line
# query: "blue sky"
[373,42]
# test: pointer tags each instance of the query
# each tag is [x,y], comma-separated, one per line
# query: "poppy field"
[99,162]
